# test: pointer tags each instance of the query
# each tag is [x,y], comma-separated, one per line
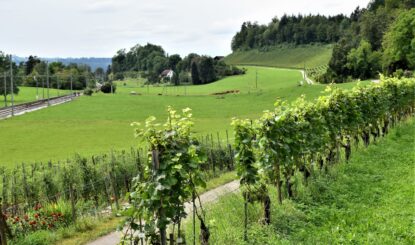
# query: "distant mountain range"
[93,62]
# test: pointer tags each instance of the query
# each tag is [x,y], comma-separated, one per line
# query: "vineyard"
[298,139]
[305,137]
[151,185]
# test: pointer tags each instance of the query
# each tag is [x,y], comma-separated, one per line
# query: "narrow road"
[211,196]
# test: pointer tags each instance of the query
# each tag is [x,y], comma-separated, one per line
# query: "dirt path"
[307,79]
[211,196]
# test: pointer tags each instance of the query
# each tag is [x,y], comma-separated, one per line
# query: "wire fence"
[92,186]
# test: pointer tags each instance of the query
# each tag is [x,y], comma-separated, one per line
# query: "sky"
[98,28]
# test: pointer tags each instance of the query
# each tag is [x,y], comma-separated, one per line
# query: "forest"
[377,39]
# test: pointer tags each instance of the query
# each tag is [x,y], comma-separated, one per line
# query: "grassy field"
[289,57]
[366,201]
[99,123]
[28,94]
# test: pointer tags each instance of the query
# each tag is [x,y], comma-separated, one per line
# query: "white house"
[168,73]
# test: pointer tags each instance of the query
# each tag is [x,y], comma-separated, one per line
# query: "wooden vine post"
[156,166]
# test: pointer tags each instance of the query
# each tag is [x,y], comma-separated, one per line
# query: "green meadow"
[97,124]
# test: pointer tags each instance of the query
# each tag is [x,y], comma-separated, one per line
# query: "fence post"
[5,186]
[113,181]
[107,193]
[14,193]
[171,238]
[246,217]
[4,229]
[26,188]
[194,218]
[5,90]
[72,197]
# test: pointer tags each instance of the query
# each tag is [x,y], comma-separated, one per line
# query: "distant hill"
[288,56]
[94,63]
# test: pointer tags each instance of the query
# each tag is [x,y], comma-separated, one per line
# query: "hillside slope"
[284,56]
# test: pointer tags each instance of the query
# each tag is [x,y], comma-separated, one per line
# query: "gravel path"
[206,198]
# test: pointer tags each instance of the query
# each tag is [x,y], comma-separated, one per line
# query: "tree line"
[372,40]
[297,29]
[149,61]
[33,72]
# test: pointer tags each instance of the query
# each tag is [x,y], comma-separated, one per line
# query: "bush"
[106,88]
[398,73]
[88,91]
[118,76]
[408,74]
[184,78]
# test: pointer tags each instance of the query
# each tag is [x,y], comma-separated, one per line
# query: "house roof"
[165,72]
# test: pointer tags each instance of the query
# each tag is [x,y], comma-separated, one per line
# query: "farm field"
[101,122]
[354,203]
[28,94]
[290,57]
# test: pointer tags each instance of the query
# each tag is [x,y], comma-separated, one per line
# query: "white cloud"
[101,27]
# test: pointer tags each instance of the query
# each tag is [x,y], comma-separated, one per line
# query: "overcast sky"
[98,28]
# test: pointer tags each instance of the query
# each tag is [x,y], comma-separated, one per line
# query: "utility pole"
[37,88]
[5,89]
[57,84]
[71,88]
[11,82]
[47,80]
[43,89]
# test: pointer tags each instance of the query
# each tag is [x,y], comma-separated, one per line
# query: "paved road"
[207,197]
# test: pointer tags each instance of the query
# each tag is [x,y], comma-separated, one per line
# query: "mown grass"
[284,56]
[28,94]
[97,124]
[366,201]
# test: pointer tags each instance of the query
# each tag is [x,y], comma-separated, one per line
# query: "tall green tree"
[363,61]
[30,64]
[399,43]
[206,70]
[195,74]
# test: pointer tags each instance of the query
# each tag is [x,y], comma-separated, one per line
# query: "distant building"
[98,85]
[168,73]
[219,58]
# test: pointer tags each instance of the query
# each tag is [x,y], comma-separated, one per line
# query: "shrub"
[106,87]
[88,91]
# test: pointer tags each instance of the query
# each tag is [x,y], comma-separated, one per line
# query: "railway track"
[21,109]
